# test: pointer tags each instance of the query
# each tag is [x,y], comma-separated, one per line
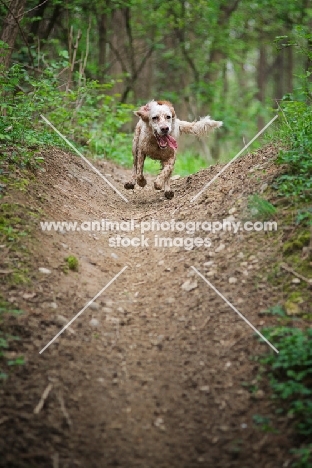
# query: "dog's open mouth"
[166,140]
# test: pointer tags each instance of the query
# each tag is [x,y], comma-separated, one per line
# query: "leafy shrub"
[72,263]
[304,457]
[6,338]
[304,216]
[296,134]
[290,376]
[84,110]
[86,114]
[260,208]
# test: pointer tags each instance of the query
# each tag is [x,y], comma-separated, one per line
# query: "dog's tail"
[200,127]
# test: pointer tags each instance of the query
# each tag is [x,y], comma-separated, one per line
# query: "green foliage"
[297,133]
[11,223]
[72,262]
[189,163]
[260,208]
[290,374]
[276,310]
[7,338]
[87,114]
[297,243]
[206,53]
[186,162]
[296,129]
[264,423]
[304,455]
[304,216]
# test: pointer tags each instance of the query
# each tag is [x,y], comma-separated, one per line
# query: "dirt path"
[152,375]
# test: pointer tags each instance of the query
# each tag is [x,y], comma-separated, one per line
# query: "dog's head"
[160,117]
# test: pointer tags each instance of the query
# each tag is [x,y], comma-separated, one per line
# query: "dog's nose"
[165,129]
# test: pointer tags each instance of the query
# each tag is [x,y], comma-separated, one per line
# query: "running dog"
[156,136]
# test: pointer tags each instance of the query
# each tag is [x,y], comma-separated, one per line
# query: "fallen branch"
[43,398]
[290,270]
[55,460]
[63,408]
[205,322]
[4,419]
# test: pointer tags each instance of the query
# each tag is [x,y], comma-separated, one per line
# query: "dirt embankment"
[159,371]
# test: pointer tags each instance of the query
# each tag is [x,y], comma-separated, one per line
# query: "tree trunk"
[11,27]
[289,69]
[309,58]
[218,52]
[261,79]
[55,16]
[38,14]
[279,75]
[102,31]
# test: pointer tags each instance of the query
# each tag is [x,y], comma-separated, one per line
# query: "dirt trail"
[155,380]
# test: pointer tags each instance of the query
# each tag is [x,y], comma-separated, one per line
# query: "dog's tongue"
[172,142]
[168,140]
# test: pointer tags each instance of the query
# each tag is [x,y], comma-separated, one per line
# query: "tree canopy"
[232,59]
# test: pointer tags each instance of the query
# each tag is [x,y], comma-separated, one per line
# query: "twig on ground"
[205,322]
[290,270]
[63,408]
[4,419]
[55,460]
[43,398]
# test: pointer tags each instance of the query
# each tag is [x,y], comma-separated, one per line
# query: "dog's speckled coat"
[155,136]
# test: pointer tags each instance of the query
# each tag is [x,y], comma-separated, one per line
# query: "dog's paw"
[129,185]
[157,185]
[141,181]
[169,194]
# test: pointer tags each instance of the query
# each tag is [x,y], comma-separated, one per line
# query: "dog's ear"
[143,112]
[172,111]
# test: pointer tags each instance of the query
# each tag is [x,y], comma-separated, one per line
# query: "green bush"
[72,263]
[260,208]
[85,113]
[297,135]
[290,377]
[6,339]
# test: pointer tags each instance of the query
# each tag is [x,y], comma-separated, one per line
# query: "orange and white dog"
[156,136]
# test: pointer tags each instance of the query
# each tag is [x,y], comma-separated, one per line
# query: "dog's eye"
[155,118]
[168,117]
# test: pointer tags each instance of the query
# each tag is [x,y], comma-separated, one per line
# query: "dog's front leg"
[136,155]
[141,181]
[131,184]
[164,177]
[137,173]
